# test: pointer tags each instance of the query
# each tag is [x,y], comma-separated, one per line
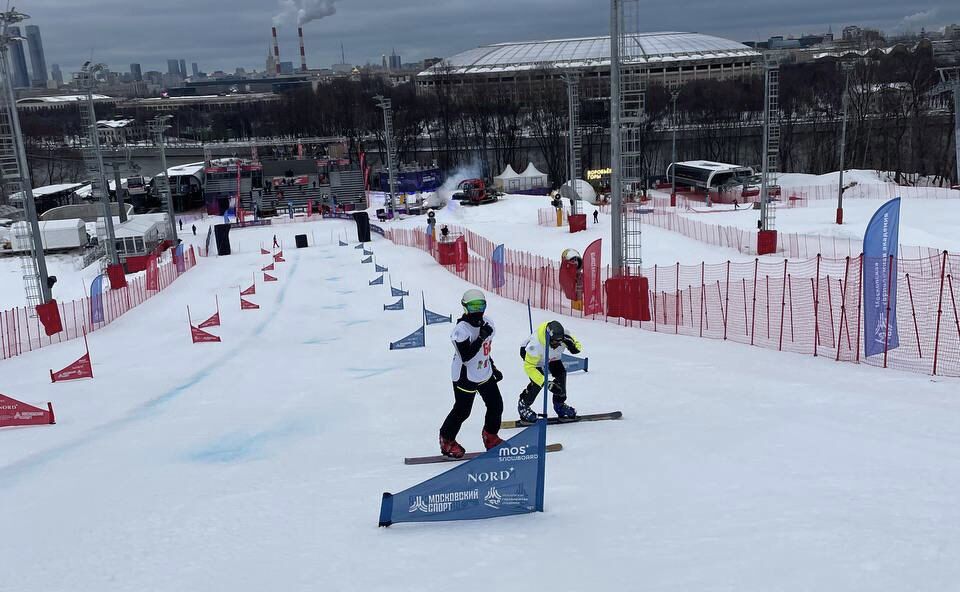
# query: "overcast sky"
[226,34]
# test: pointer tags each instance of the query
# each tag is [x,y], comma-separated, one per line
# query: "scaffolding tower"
[387,106]
[771,142]
[573,108]
[950,82]
[628,73]
[16,176]
[158,125]
[93,154]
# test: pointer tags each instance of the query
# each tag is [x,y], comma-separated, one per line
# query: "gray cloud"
[224,35]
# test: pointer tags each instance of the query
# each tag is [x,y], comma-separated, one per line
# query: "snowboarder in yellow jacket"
[533,352]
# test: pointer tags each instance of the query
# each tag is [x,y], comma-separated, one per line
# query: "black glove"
[569,342]
[555,388]
[497,375]
[485,331]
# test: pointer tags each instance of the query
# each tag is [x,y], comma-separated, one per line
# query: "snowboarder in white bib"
[532,352]
[473,372]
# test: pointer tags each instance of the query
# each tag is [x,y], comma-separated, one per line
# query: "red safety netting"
[811,307]
[21,330]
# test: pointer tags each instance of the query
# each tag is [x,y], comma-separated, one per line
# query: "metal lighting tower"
[767,239]
[16,174]
[674,94]
[627,117]
[950,82]
[387,106]
[573,104]
[847,67]
[157,126]
[93,155]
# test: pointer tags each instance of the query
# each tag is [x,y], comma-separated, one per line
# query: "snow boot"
[527,415]
[564,412]
[490,440]
[451,448]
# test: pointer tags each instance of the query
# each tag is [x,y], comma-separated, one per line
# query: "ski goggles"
[475,306]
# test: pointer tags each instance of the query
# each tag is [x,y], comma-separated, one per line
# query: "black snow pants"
[463,403]
[558,374]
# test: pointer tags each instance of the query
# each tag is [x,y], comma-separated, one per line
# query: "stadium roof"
[590,52]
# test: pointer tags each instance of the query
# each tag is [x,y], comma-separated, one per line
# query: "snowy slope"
[925,223]
[258,463]
[71,282]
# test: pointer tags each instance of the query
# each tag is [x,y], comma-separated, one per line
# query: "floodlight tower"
[573,108]
[93,155]
[847,67]
[674,95]
[15,174]
[950,82]
[627,117]
[767,237]
[387,106]
[158,125]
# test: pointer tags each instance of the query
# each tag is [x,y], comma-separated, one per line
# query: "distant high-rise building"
[383,59]
[56,74]
[38,61]
[136,72]
[394,61]
[173,67]
[195,69]
[286,67]
[271,63]
[183,68]
[20,77]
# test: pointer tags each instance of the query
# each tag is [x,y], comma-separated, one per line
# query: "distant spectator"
[194,230]
[181,224]
[596,216]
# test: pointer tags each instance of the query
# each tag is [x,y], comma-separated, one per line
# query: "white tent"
[508,180]
[533,178]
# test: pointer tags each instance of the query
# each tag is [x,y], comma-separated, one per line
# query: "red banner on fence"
[117,278]
[247,305]
[268,267]
[153,275]
[50,317]
[18,413]
[269,278]
[462,254]
[592,304]
[249,291]
[201,336]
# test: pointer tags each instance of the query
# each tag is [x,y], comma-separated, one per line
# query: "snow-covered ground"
[71,282]
[258,463]
[923,222]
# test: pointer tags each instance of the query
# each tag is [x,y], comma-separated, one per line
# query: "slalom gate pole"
[530,315]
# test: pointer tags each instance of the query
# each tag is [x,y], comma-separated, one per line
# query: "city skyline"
[226,40]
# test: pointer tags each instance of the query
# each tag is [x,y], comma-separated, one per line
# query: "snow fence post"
[936,340]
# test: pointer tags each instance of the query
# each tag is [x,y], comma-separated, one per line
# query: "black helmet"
[555,329]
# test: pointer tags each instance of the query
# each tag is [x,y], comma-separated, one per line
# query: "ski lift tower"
[387,106]
[767,235]
[573,108]
[950,82]
[627,291]
[628,75]
[16,175]
[158,125]
[86,80]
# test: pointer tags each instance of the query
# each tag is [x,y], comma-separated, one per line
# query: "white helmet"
[474,296]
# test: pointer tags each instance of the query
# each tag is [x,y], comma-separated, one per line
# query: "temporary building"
[508,181]
[533,178]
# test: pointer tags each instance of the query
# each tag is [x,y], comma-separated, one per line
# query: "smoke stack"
[276,50]
[303,55]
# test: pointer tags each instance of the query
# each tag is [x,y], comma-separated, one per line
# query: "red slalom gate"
[796,306]
[213,321]
[82,368]
[267,267]
[18,413]
[247,305]
[268,278]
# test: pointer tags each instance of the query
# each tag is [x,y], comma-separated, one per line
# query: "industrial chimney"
[303,55]
[276,51]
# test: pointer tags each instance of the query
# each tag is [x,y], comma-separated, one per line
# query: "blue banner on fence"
[96,300]
[398,305]
[504,481]
[575,364]
[178,259]
[367,260]
[435,319]
[367,253]
[380,268]
[377,282]
[880,246]
[499,277]
[415,339]
[397,292]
